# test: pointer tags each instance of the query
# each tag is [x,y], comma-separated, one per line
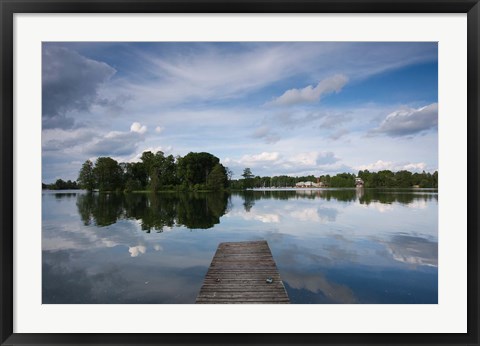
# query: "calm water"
[330,246]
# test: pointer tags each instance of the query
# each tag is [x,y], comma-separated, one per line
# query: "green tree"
[108,174]
[86,178]
[194,168]
[217,179]
[403,179]
[247,178]
[167,171]
[135,176]
[229,176]
[343,180]
[161,170]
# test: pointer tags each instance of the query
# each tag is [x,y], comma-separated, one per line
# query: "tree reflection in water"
[364,196]
[154,211]
[197,210]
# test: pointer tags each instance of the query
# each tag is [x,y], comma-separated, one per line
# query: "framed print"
[239,172]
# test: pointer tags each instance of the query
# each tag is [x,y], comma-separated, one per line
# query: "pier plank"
[238,275]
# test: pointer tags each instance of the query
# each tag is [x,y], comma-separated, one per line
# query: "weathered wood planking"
[238,275]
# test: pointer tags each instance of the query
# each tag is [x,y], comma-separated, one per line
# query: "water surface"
[330,245]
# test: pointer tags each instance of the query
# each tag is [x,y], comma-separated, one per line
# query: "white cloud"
[420,166]
[377,166]
[265,156]
[310,160]
[212,71]
[311,94]
[276,163]
[166,150]
[381,165]
[409,121]
[138,128]
[158,129]
[304,159]
[262,158]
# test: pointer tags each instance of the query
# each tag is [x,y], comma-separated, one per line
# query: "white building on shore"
[309,184]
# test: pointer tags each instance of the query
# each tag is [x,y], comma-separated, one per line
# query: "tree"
[135,176]
[167,171]
[343,180]
[86,179]
[217,179]
[161,170]
[194,168]
[247,178]
[108,174]
[403,179]
[229,176]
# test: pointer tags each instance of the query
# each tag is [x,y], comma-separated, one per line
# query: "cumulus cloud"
[262,158]
[313,159]
[166,150]
[70,82]
[138,128]
[420,166]
[158,129]
[310,93]
[409,121]
[381,165]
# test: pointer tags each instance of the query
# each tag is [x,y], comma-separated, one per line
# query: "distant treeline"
[61,185]
[204,172]
[388,178]
[385,178]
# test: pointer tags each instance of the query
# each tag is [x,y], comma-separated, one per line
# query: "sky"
[278,108]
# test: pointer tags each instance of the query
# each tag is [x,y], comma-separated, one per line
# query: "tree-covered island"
[155,172]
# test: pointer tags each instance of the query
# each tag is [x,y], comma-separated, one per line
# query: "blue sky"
[277,107]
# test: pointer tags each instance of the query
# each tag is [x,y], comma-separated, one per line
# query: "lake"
[340,246]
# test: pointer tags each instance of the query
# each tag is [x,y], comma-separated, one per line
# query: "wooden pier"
[243,273]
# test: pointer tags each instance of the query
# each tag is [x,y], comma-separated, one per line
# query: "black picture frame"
[10,7]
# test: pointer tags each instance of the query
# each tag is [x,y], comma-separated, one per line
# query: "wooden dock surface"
[239,273]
